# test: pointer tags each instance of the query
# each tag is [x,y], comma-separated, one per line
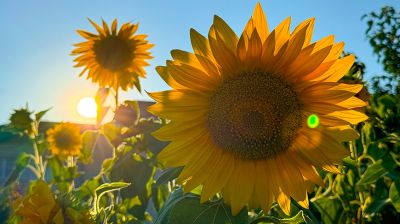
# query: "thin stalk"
[71,163]
[116,97]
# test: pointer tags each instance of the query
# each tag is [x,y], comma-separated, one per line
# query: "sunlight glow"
[87,107]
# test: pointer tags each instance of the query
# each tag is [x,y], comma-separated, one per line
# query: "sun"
[87,107]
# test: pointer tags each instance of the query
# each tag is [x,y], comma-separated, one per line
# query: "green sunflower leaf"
[331,209]
[20,164]
[168,175]
[296,219]
[89,142]
[376,171]
[394,194]
[183,208]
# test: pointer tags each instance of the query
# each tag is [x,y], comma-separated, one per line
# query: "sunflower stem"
[38,158]
[70,164]
[116,97]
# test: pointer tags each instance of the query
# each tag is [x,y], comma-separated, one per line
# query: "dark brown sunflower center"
[113,53]
[254,115]
[64,140]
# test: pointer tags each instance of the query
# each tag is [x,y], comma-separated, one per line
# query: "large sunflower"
[113,58]
[64,140]
[239,110]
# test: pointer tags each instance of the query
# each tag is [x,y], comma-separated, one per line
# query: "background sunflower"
[64,140]
[113,58]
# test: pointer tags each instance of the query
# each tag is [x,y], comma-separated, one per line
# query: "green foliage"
[383,33]
[183,208]
[394,194]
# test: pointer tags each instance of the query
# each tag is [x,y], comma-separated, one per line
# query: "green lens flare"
[313,121]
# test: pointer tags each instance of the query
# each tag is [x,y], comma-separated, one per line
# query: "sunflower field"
[263,126]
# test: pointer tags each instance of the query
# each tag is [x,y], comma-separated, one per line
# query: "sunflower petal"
[260,22]
[226,34]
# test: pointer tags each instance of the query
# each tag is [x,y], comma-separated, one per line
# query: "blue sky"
[37,37]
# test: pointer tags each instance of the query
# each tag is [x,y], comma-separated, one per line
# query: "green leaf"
[394,194]
[379,199]
[89,142]
[367,132]
[331,209]
[376,171]
[348,161]
[113,133]
[106,188]
[40,114]
[20,164]
[138,172]
[61,174]
[87,189]
[159,194]
[375,206]
[168,175]
[296,219]
[183,208]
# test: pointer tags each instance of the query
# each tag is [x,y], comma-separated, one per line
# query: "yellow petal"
[339,69]
[308,171]
[343,133]
[309,23]
[254,50]
[351,116]
[268,50]
[105,27]
[114,27]
[263,187]
[218,176]
[183,148]
[242,184]
[284,202]
[248,29]
[291,180]
[282,34]
[199,177]
[304,65]
[98,28]
[226,34]
[331,92]
[223,55]
[209,66]
[304,203]
[191,77]
[200,44]
[336,51]
[175,130]
[184,57]
[352,102]
[260,22]
[177,113]
[242,46]
[296,43]
[165,75]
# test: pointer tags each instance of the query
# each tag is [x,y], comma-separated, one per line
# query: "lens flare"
[313,121]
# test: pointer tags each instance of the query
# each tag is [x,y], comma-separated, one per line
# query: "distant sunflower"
[64,140]
[21,120]
[113,58]
[239,108]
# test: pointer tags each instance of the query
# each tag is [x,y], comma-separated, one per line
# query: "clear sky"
[36,38]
